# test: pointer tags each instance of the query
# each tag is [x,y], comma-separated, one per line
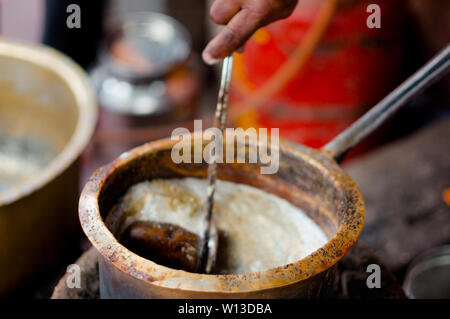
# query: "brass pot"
[45,95]
[309,179]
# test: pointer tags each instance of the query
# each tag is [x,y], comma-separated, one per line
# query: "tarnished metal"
[45,95]
[210,242]
[307,178]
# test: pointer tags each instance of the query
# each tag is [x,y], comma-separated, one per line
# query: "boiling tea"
[257,230]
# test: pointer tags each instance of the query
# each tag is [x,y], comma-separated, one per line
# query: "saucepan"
[309,179]
[47,107]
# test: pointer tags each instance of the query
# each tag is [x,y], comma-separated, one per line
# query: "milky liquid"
[21,158]
[258,230]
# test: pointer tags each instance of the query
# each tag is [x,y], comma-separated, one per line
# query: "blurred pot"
[146,77]
[43,96]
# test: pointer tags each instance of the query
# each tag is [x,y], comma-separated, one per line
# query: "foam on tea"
[258,230]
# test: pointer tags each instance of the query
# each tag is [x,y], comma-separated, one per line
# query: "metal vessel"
[45,96]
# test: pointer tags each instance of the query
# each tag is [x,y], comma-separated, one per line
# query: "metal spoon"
[172,245]
[208,252]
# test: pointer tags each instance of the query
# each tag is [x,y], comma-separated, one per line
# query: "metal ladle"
[170,244]
[208,251]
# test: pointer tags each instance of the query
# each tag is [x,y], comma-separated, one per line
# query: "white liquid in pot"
[258,230]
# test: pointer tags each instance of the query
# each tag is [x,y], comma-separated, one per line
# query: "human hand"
[241,19]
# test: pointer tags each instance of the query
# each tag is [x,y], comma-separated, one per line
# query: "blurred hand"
[241,19]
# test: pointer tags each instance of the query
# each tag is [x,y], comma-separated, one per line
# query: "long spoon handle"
[219,122]
[425,76]
[206,253]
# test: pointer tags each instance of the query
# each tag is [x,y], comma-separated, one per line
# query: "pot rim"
[161,276]
[79,86]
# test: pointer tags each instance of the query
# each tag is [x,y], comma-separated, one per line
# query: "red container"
[351,69]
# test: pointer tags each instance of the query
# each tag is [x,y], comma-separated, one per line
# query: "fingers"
[222,11]
[233,36]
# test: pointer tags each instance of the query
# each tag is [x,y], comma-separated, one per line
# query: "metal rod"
[425,76]
[219,122]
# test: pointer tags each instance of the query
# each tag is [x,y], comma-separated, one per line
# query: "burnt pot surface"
[306,178]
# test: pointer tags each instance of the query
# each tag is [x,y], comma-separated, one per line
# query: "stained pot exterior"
[307,178]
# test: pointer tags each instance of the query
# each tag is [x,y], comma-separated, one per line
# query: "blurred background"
[143,59]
